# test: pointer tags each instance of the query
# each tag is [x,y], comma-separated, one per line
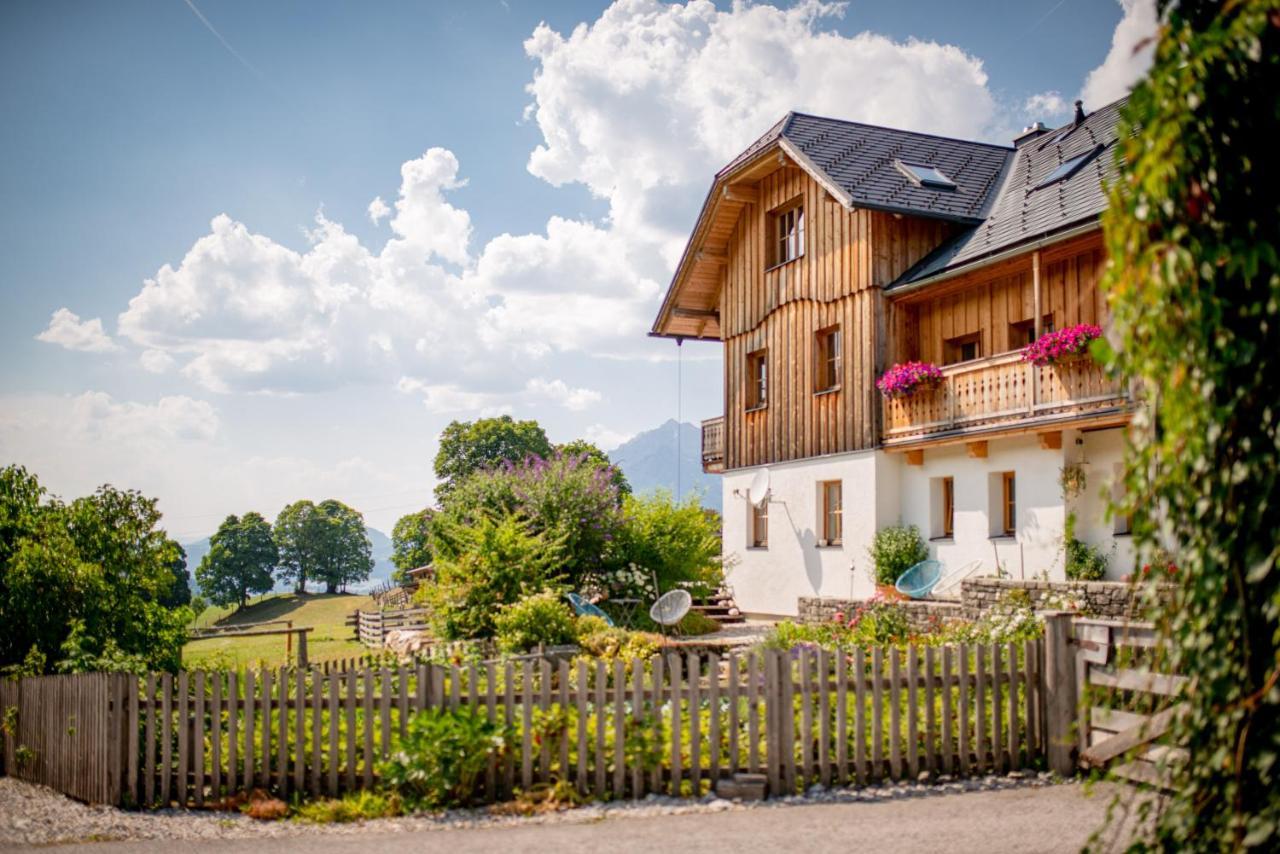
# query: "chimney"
[1030,132]
[1079,119]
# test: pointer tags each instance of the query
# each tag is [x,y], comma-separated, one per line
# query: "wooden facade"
[777,315]
[836,283]
[990,303]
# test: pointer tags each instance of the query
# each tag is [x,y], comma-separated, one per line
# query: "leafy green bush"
[567,499]
[895,550]
[542,618]
[354,806]
[492,562]
[439,760]
[600,640]
[1084,562]
[678,541]
[697,623]
[1194,282]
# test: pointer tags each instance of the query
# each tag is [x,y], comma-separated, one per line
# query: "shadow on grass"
[278,606]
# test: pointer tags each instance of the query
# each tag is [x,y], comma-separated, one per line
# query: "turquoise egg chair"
[918,581]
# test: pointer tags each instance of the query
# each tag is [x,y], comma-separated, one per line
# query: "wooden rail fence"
[673,724]
[372,627]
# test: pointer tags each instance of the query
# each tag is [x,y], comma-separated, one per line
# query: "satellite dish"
[758,493]
[671,607]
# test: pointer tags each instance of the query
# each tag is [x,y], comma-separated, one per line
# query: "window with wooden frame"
[760,525]
[786,230]
[1023,332]
[964,348]
[948,506]
[1009,503]
[1122,524]
[757,379]
[830,352]
[831,497]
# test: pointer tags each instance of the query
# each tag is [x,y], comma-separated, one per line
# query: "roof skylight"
[925,175]
[1067,168]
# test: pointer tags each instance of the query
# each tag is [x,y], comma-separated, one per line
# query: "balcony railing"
[1001,391]
[713,444]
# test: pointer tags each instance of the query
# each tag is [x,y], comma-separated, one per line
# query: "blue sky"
[284,355]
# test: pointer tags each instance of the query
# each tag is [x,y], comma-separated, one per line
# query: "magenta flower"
[907,377]
[1065,344]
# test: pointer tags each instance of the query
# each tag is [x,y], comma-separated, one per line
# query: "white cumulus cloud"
[559,392]
[378,210]
[1132,48]
[1046,106]
[66,329]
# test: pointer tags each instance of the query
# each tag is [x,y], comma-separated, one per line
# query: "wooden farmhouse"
[831,251]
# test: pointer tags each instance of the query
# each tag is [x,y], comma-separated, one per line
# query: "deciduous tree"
[242,556]
[467,447]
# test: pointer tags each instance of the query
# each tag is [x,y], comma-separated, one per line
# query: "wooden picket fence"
[673,724]
[372,627]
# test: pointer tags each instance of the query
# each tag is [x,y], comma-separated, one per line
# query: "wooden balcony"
[1003,394]
[713,445]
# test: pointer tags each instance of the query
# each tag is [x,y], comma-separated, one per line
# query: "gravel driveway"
[988,815]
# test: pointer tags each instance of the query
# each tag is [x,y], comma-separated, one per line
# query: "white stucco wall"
[880,489]
[770,581]
[1037,545]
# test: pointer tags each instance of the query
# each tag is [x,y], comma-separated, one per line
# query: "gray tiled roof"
[1020,212]
[860,160]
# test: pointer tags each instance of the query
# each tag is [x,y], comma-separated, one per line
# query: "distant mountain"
[649,460]
[382,565]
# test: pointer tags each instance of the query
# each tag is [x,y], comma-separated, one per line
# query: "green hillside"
[324,612]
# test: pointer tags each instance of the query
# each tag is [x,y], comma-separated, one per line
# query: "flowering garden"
[1062,345]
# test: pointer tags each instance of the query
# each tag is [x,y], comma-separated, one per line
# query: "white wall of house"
[880,489]
[1037,542]
[771,580]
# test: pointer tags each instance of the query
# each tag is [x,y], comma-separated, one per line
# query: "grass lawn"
[325,613]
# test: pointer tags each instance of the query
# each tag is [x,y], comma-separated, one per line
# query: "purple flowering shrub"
[1061,345]
[907,377]
[569,498]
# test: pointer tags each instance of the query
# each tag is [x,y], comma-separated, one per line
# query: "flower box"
[1062,346]
[909,378]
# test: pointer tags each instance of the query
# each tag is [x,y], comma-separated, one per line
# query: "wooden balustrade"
[998,391]
[713,444]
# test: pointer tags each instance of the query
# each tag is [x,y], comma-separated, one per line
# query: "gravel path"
[997,813]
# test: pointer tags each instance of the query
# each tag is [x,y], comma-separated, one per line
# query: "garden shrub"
[895,550]
[676,541]
[697,623]
[361,805]
[568,499]
[1194,284]
[542,618]
[1085,562]
[438,762]
[600,640]
[492,562]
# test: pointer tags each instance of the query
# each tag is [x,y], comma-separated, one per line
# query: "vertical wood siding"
[849,256]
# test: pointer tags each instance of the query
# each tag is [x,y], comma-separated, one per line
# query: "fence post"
[1060,693]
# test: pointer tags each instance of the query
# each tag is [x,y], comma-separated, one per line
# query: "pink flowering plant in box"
[1061,345]
[909,377]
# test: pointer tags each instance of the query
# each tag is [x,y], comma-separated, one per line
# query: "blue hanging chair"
[583,608]
[918,581]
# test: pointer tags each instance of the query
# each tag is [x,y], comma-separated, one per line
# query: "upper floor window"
[925,175]
[830,358]
[787,228]
[1023,332]
[757,379]
[830,493]
[962,349]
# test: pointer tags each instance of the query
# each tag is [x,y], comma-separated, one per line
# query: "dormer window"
[1067,168]
[924,175]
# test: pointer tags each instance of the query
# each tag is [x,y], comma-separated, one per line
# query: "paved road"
[1055,818]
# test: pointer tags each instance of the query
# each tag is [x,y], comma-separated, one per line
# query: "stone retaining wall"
[920,614]
[1106,599]
[1114,600]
